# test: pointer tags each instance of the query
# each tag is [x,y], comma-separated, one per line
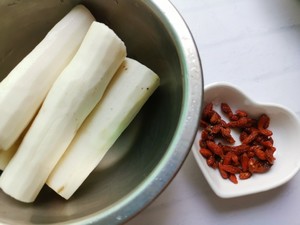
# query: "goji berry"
[233,178]
[244,162]
[245,175]
[227,158]
[205,153]
[250,137]
[226,133]
[243,135]
[260,153]
[266,132]
[207,111]
[230,168]
[215,148]
[267,144]
[215,118]
[202,143]
[226,109]
[241,113]
[263,122]
[240,149]
[205,135]
[256,166]
[270,155]
[223,173]
[235,159]
[255,154]
[210,161]
[241,122]
[216,129]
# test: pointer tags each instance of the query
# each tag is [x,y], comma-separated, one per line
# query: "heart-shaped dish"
[286,132]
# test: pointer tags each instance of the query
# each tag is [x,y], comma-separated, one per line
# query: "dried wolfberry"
[215,118]
[215,165]
[239,149]
[205,152]
[226,109]
[259,153]
[243,135]
[227,158]
[215,148]
[262,167]
[223,173]
[241,113]
[202,143]
[252,164]
[227,148]
[233,178]
[223,123]
[263,122]
[259,139]
[216,129]
[250,137]
[255,154]
[267,144]
[234,118]
[256,166]
[270,155]
[226,133]
[271,140]
[235,159]
[207,111]
[230,168]
[241,122]
[244,162]
[250,154]
[245,175]
[210,161]
[266,132]
[205,135]
[248,130]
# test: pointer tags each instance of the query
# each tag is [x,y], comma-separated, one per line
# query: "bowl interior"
[286,130]
[144,143]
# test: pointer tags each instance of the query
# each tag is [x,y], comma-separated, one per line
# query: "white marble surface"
[254,44]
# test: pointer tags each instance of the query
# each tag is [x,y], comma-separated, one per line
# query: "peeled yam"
[26,86]
[6,156]
[73,96]
[130,88]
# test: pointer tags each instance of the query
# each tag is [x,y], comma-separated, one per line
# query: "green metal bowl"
[151,150]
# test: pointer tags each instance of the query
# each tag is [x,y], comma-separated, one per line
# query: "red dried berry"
[255,154]
[230,168]
[244,162]
[263,122]
[215,118]
[259,153]
[245,175]
[226,109]
[233,178]
[241,113]
[216,149]
[205,153]
[207,111]
[223,173]
[250,137]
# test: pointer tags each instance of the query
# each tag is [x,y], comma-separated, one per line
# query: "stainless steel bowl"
[150,152]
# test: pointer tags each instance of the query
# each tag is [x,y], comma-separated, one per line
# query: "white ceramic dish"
[286,132]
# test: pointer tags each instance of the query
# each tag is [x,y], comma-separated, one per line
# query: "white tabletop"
[254,44]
